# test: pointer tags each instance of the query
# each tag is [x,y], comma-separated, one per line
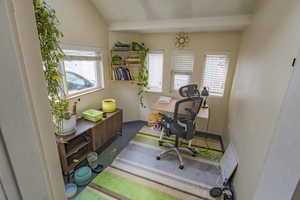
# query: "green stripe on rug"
[129,188]
[89,194]
[202,152]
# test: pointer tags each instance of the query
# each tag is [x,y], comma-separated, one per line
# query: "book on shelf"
[122,73]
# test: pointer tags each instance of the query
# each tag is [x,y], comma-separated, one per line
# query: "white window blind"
[82,69]
[182,69]
[155,67]
[183,62]
[214,76]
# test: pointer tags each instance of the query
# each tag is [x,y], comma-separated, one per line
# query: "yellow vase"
[109,105]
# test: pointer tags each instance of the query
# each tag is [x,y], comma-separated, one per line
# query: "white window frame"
[162,78]
[99,69]
[174,72]
[228,54]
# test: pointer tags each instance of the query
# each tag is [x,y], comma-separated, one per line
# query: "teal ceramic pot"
[83,176]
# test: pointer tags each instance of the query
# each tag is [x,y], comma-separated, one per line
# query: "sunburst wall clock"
[182,39]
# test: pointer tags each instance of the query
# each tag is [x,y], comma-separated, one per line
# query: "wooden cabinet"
[88,137]
[103,132]
[99,137]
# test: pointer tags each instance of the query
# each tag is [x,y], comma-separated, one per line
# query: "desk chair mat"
[136,174]
[198,143]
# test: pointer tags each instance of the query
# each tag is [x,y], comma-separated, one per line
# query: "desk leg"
[207,123]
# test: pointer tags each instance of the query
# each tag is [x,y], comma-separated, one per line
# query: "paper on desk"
[164,99]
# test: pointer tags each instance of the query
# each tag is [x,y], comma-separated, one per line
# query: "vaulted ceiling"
[121,13]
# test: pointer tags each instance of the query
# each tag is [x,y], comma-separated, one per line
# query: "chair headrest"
[189,91]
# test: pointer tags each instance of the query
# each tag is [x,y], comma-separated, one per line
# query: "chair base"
[188,149]
[177,150]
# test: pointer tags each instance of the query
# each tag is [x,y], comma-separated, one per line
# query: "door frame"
[25,118]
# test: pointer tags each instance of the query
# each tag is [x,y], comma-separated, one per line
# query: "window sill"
[69,97]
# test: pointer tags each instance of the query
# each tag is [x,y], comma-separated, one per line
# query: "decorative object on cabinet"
[182,39]
[109,105]
[93,115]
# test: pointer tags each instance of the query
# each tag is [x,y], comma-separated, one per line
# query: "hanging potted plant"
[143,74]
[50,36]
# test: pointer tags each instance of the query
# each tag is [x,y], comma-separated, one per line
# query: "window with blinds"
[155,67]
[214,76]
[182,69]
[82,70]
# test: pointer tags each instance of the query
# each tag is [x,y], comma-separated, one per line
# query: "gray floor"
[196,171]
[106,157]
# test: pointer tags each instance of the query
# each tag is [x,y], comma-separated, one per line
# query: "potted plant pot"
[69,125]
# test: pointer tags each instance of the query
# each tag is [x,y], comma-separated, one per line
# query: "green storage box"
[92,115]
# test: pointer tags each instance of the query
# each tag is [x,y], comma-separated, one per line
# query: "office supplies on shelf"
[133,60]
[119,46]
[116,60]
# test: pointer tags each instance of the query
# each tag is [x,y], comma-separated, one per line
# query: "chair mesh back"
[188,108]
[189,91]
[186,111]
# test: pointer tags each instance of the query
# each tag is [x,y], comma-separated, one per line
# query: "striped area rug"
[198,143]
[136,174]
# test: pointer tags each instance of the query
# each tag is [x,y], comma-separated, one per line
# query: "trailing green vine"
[50,36]
[142,80]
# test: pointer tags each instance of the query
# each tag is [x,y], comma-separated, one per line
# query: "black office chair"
[185,91]
[182,125]
[189,91]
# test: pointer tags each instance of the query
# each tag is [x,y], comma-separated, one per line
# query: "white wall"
[82,25]
[281,172]
[262,77]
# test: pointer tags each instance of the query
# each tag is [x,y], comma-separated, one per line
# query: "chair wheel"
[181,166]
[157,158]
